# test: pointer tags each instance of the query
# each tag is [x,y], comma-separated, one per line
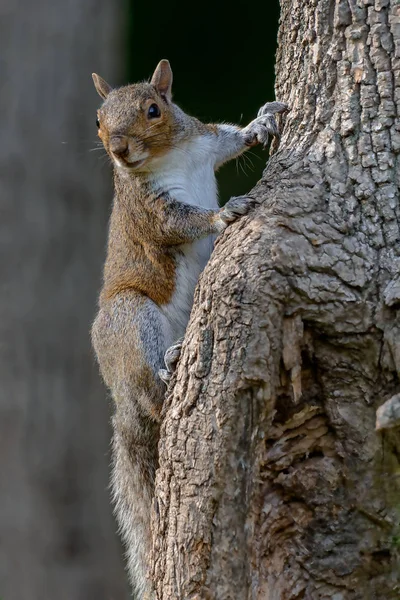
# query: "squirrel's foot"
[259,130]
[236,207]
[172,355]
[164,375]
[171,358]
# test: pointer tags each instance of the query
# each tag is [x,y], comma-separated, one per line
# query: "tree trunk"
[57,532]
[273,482]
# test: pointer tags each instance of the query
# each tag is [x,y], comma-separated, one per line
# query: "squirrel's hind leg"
[130,336]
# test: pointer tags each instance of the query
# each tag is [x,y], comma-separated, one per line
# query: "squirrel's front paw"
[235,207]
[259,130]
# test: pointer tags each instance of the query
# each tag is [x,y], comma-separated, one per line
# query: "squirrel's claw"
[259,130]
[236,207]
[271,108]
[171,358]
[164,375]
[172,355]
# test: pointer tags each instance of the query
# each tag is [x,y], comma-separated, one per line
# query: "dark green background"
[222,55]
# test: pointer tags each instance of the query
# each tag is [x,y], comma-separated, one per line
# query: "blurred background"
[57,532]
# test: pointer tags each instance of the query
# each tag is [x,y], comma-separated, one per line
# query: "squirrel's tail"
[134,464]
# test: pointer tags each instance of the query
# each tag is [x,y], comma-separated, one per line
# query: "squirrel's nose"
[119,145]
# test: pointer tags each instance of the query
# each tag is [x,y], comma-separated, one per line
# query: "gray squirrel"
[164,219]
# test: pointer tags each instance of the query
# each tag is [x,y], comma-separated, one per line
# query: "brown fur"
[138,255]
[145,235]
[148,236]
[143,240]
[124,112]
[135,260]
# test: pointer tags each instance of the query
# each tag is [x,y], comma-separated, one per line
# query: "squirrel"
[164,220]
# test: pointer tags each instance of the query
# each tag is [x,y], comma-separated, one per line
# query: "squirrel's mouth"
[129,165]
[135,164]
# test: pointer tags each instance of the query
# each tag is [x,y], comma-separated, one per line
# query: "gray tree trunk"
[273,482]
[57,531]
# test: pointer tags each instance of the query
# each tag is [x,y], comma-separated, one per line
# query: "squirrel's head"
[136,122]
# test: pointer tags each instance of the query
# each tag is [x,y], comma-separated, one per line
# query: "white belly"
[189,177]
[190,262]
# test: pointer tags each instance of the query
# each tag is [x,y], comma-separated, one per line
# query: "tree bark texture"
[273,482]
[57,532]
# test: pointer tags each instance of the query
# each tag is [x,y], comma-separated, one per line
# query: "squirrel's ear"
[102,87]
[162,79]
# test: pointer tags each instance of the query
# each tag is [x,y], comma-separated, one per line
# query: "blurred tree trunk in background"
[57,533]
[273,483]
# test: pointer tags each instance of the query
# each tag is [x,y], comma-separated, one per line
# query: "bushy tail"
[134,464]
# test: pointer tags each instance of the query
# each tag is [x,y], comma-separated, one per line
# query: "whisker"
[105,159]
[242,169]
[151,127]
[88,141]
[249,152]
[247,162]
[243,164]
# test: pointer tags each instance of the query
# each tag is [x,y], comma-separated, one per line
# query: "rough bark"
[273,482]
[57,532]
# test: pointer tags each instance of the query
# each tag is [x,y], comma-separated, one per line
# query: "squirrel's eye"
[153,112]
[97,123]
